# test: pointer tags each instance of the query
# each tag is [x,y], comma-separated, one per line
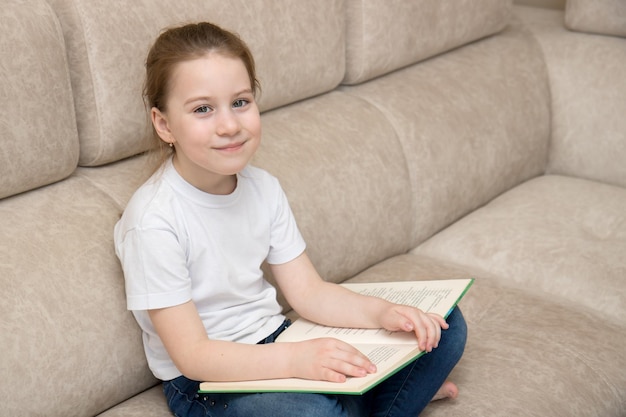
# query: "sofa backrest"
[462,118]
[38,140]
[587,87]
[385,36]
[604,17]
[68,346]
[442,137]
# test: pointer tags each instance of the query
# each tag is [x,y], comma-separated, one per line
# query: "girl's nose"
[227,123]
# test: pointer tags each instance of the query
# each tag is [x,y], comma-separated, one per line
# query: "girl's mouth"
[232,147]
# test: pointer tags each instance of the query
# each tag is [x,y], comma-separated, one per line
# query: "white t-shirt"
[177,243]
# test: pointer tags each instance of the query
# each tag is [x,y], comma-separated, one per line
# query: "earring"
[171,145]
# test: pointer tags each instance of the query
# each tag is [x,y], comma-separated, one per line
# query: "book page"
[303,329]
[430,296]
[384,356]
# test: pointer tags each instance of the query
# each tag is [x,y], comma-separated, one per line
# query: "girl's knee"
[456,335]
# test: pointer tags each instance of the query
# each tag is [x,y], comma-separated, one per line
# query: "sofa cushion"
[465,124]
[119,180]
[38,131]
[531,356]
[149,403]
[606,17]
[588,87]
[383,36]
[107,58]
[69,346]
[559,236]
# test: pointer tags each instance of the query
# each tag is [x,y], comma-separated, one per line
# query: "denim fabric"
[272,338]
[404,394]
[409,391]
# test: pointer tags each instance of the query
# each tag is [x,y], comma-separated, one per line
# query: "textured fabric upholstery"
[464,129]
[606,17]
[578,236]
[38,141]
[67,338]
[150,403]
[588,87]
[385,36]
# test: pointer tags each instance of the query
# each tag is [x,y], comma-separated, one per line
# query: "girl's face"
[212,119]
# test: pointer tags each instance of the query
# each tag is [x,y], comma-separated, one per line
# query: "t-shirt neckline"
[195,194]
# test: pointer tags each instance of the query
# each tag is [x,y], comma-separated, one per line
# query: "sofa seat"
[148,403]
[558,236]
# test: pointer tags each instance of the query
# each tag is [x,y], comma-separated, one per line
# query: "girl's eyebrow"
[208,98]
[194,99]
[244,91]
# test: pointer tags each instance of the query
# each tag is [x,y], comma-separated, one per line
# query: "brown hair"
[184,43]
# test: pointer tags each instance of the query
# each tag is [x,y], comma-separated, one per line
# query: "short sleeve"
[154,269]
[286,242]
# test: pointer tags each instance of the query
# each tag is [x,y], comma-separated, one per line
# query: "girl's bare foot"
[447,390]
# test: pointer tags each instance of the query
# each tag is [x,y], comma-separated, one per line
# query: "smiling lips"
[231,147]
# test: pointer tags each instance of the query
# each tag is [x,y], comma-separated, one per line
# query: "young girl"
[194,236]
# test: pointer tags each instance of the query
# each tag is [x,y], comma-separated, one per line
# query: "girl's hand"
[328,359]
[427,326]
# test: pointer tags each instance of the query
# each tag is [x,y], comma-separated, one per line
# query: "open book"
[390,351]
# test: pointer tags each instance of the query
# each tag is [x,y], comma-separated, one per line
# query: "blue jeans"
[404,394]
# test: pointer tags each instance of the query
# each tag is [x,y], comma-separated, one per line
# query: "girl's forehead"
[219,71]
[209,61]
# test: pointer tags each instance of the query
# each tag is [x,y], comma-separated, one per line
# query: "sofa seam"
[92,85]
[548,80]
[383,114]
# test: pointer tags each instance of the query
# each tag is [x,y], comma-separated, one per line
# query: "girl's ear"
[159,121]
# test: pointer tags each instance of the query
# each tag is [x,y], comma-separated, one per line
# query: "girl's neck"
[212,184]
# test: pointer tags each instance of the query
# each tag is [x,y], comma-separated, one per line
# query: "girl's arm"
[330,304]
[202,359]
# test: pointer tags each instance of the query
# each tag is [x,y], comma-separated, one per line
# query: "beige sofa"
[415,140]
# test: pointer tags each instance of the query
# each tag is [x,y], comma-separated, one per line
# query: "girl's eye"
[202,109]
[240,103]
